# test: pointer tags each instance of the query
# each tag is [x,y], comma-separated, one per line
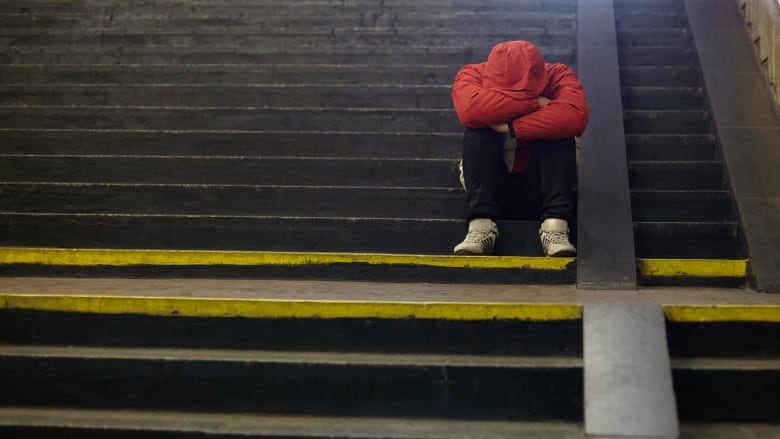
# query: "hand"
[500,128]
[542,101]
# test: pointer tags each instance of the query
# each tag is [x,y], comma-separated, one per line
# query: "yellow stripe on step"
[263,308]
[123,258]
[703,268]
[723,313]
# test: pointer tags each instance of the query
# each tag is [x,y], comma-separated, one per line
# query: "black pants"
[545,190]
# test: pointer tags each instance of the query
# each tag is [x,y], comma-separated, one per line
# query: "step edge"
[270,425]
[133,257]
[311,358]
[693,268]
[289,309]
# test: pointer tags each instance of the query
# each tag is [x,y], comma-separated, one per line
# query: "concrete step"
[633,37]
[455,55]
[666,122]
[635,6]
[197,95]
[299,73]
[249,143]
[27,423]
[255,324]
[232,170]
[666,175]
[664,98]
[388,120]
[147,36]
[313,7]
[119,230]
[662,56]
[688,240]
[660,76]
[651,147]
[726,371]
[680,206]
[302,383]
[657,19]
[245,200]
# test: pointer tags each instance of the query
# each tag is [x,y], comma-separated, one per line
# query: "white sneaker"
[554,234]
[480,239]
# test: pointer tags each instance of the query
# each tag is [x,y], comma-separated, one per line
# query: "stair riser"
[117,10]
[729,339]
[293,202]
[396,15]
[538,338]
[250,145]
[671,148]
[658,56]
[676,176]
[634,6]
[309,119]
[654,37]
[271,234]
[455,57]
[687,240]
[678,207]
[236,171]
[656,76]
[727,395]
[667,122]
[297,388]
[218,75]
[652,19]
[318,38]
[376,96]
[664,99]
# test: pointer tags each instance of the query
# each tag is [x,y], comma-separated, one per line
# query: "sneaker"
[480,239]
[554,234]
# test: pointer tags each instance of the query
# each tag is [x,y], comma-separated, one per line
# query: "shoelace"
[555,238]
[478,236]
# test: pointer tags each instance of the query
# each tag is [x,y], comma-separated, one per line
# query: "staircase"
[316,139]
[186,361]
[682,204]
[726,372]
[315,128]
[96,375]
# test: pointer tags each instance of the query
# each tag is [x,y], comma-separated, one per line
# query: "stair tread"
[261,425]
[325,358]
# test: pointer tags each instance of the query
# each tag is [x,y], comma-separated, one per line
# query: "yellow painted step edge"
[265,308]
[723,313]
[330,309]
[700,268]
[124,258]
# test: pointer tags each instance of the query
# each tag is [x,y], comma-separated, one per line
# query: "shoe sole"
[468,253]
[562,253]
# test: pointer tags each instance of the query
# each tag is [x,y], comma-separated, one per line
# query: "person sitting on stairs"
[519,159]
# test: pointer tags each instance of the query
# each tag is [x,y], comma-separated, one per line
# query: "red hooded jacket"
[506,88]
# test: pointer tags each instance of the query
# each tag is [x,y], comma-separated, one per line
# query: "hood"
[516,69]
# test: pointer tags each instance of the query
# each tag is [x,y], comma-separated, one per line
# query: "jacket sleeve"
[565,116]
[479,107]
